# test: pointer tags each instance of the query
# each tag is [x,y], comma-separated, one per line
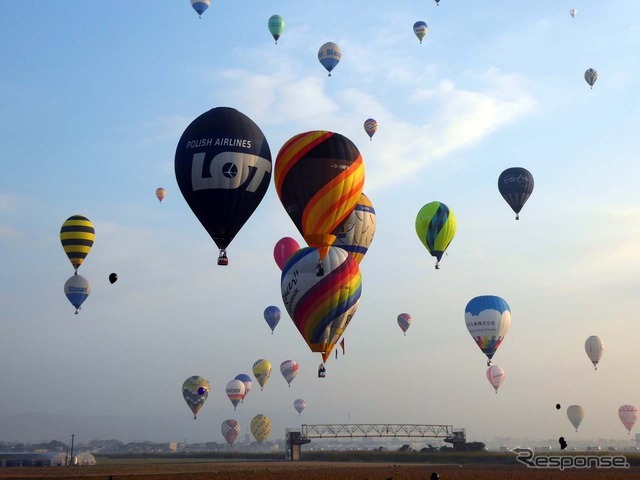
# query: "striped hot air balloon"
[515,185]
[321,307]
[77,235]
[235,392]
[319,177]
[404,321]
[436,227]
[289,370]
[371,127]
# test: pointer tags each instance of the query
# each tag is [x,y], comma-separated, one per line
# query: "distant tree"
[405,448]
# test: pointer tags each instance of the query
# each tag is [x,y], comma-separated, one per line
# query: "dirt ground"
[309,471]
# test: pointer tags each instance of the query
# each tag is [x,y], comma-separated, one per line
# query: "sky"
[95,98]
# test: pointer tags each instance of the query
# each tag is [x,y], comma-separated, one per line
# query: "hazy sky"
[95,96]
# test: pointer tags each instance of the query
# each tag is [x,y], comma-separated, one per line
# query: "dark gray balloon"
[515,185]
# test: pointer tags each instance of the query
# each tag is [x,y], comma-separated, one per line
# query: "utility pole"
[71,458]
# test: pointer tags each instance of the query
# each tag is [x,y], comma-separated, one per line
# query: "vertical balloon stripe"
[435,225]
[294,149]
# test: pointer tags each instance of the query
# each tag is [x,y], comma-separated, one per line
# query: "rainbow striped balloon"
[319,177]
[321,306]
[77,235]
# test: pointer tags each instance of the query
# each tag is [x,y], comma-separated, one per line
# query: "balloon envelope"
[113,278]
[276,26]
[235,392]
[420,29]
[223,169]
[299,405]
[285,247]
[200,5]
[77,289]
[404,320]
[573,12]
[260,427]
[495,375]
[319,177]
[356,233]
[329,56]
[195,391]
[272,316]
[515,185]
[594,348]
[628,414]
[487,318]
[436,226]
[160,193]
[591,76]
[321,307]
[289,370]
[262,371]
[230,430]
[77,235]
[246,379]
[371,127]
[575,414]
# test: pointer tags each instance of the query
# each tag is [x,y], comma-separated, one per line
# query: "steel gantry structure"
[375,430]
[296,438]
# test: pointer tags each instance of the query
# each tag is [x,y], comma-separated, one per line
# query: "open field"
[308,470]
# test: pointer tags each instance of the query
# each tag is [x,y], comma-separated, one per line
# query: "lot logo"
[561,462]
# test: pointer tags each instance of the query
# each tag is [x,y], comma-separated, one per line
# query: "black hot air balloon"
[515,185]
[223,169]
[113,278]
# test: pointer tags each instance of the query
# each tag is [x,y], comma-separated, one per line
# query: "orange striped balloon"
[319,177]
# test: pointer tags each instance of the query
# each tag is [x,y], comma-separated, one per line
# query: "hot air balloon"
[276,26]
[230,430]
[420,29]
[272,317]
[200,6]
[488,318]
[319,177]
[77,235]
[575,414]
[235,392]
[356,233]
[594,348]
[329,55]
[77,289]
[515,185]
[628,414]
[436,227]
[299,405]
[591,76]
[573,12]
[223,169]
[371,127]
[404,320]
[160,193]
[285,247]
[260,427]
[321,307]
[113,278]
[246,379]
[289,370]
[262,371]
[495,375]
[195,391]
[437,3]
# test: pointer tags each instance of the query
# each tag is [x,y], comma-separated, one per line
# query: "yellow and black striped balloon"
[77,235]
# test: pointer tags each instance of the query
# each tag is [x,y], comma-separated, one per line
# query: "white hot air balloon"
[594,348]
[289,370]
[573,12]
[235,392]
[628,414]
[300,405]
[495,375]
[575,414]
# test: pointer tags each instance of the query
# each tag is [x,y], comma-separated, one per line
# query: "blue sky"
[95,98]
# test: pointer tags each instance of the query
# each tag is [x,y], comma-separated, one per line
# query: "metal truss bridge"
[375,430]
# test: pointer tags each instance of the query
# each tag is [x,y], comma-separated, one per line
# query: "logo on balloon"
[229,170]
